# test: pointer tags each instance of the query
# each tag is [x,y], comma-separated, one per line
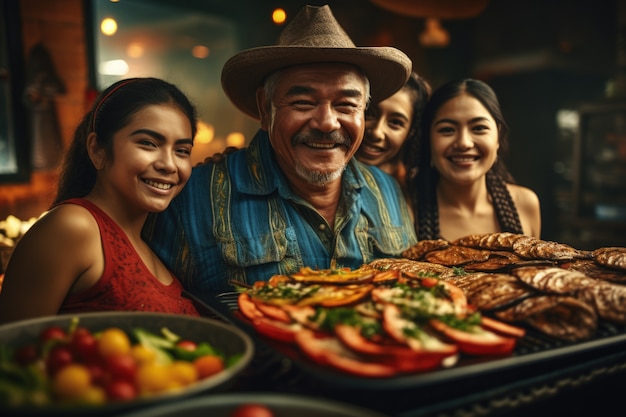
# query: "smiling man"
[296,196]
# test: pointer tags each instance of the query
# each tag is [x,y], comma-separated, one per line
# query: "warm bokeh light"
[135,50]
[279,16]
[108,26]
[113,67]
[236,139]
[200,51]
[205,133]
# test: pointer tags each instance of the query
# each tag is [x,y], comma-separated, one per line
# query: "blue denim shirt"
[239,220]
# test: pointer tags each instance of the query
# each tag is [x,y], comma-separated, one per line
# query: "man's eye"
[302,103]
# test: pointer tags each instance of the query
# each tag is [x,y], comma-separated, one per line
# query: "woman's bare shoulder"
[528,207]
[67,222]
[523,196]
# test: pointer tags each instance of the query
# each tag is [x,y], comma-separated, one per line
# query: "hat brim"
[386,68]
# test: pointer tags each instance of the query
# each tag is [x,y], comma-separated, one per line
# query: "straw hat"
[313,36]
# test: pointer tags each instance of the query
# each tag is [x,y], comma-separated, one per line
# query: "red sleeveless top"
[126,283]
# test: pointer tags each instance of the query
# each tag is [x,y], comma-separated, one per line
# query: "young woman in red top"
[130,156]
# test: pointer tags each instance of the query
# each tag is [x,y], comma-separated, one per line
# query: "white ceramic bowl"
[225,338]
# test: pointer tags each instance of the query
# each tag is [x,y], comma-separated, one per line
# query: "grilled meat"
[497,260]
[457,256]
[608,299]
[553,279]
[613,257]
[421,248]
[562,317]
[492,241]
[416,267]
[488,291]
[532,248]
[593,270]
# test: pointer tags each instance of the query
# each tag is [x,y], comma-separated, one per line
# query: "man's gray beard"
[316,177]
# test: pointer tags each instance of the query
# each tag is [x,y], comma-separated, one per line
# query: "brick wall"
[59,26]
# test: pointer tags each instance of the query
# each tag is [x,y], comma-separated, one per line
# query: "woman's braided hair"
[423,185]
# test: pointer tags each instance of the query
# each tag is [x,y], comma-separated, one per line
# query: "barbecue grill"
[542,373]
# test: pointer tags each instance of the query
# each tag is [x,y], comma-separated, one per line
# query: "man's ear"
[97,154]
[261,104]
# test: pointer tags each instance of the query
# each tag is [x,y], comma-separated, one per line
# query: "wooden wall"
[60,26]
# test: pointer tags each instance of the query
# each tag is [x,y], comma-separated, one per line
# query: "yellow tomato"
[152,377]
[143,354]
[113,341]
[183,372]
[94,396]
[72,382]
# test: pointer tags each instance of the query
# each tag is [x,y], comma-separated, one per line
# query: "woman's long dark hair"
[420,92]
[423,186]
[112,110]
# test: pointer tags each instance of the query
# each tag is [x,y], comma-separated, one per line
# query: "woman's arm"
[61,247]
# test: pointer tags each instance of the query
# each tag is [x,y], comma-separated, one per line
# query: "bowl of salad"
[109,362]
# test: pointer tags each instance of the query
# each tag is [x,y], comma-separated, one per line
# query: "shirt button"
[322,227]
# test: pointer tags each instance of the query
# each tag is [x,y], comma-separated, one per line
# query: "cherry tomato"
[73,381]
[97,371]
[58,357]
[183,372]
[252,410]
[121,391]
[52,333]
[84,345]
[142,354]
[153,377]
[121,367]
[187,345]
[113,341]
[26,354]
[208,365]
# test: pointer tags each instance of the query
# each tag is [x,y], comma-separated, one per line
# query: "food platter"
[224,404]
[534,351]
[229,340]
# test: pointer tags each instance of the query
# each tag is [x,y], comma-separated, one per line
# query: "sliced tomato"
[247,307]
[399,356]
[276,330]
[429,282]
[328,350]
[400,329]
[351,337]
[480,342]
[502,328]
[302,315]
[272,311]
[456,295]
